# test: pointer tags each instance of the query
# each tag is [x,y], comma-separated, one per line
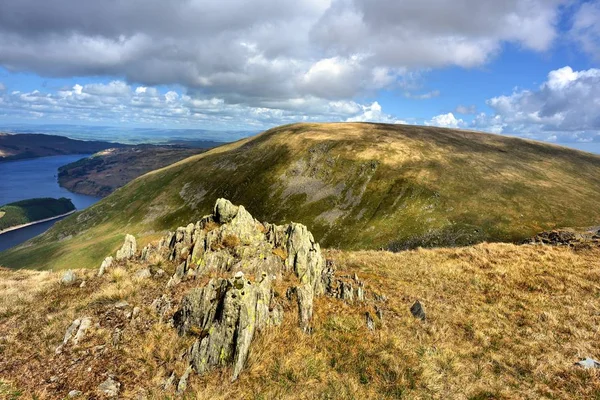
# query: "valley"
[357,185]
[499,321]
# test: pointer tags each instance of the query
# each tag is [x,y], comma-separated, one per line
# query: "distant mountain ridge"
[358,185]
[33,145]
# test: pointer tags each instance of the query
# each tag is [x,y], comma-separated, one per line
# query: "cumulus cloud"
[566,107]
[119,102]
[446,121]
[266,52]
[586,29]
[374,113]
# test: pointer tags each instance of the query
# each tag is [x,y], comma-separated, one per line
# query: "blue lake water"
[26,179]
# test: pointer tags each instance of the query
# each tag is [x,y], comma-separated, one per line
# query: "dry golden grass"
[503,322]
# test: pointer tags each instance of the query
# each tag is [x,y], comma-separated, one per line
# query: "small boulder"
[68,278]
[143,273]
[588,363]
[109,388]
[417,310]
[74,393]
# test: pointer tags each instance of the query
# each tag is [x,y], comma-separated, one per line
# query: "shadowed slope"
[359,186]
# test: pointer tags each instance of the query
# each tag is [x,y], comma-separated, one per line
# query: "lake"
[26,179]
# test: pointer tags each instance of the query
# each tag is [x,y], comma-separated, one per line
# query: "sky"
[528,68]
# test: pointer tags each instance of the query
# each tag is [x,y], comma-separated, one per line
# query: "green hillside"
[31,210]
[358,185]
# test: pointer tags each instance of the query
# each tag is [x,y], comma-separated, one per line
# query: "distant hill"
[107,170]
[32,145]
[32,210]
[358,185]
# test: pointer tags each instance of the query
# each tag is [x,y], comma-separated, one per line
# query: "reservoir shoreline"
[17,227]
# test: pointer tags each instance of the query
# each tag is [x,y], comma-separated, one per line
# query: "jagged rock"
[346,292]
[360,293]
[74,393]
[148,251]
[179,275]
[304,256]
[417,310]
[106,264]
[162,306]
[224,211]
[128,249]
[143,273]
[168,383]
[75,332]
[116,337]
[182,385]
[109,388]
[225,314]
[68,278]
[370,322]
[71,330]
[82,285]
[83,327]
[305,306]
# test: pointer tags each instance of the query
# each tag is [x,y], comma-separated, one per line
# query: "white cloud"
[118,102]
[2,87]
[586,28]
[266,52]
[446,121]
[374,113]
[566,107]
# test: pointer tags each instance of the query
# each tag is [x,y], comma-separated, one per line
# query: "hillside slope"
[358,185]
[100,174]
[502,322]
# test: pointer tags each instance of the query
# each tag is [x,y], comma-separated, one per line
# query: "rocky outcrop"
[128,249]
[242,260]
[567,237]
[243,267]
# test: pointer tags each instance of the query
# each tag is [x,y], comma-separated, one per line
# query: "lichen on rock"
[240,266]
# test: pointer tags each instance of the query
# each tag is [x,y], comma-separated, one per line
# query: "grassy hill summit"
[357,185]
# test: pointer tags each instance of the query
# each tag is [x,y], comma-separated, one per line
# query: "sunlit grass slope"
[503,322]
[357,185]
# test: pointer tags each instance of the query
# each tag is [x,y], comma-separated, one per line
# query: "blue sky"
[518,67]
